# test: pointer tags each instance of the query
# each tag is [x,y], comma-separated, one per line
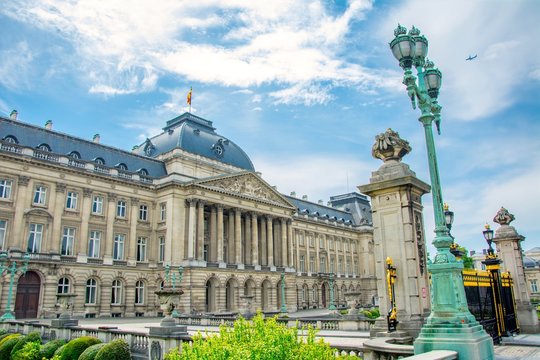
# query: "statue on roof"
[389,146]
[503,217]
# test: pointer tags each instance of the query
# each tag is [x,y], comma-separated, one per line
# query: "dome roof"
[195,135]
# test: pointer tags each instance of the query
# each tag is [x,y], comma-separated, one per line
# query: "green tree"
[468,262]
[257,339]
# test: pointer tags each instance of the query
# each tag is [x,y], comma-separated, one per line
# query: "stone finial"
[389,146]
[503,217]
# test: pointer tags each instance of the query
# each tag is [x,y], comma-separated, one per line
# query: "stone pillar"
[270,240]
[290,243]
[283,242]
[21,203]
[263,259]
[297,246]
[248,258]
[230,239]
[396,205]
[255,240]
[308,254]
[109,235]
[132,239]
[220,234]
[212,249]
[238,236]
[57,208]
[200,230]
[191,229]
[509,250]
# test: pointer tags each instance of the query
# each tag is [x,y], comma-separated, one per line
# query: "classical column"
[20,203]
[283,242]
[290,243]
[85,216]
[262,246]
[230,239]
[270,240]
[317,244]
[200,230]
[57,208]
[132,241]
[213,239]
[238,236]
[306,262]
[297,246]
[219,233]
[191,229]
[109,236]
[248,258]
[254,239]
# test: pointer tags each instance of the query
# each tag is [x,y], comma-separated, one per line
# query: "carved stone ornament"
[389,146]
[246,186]
[503,217]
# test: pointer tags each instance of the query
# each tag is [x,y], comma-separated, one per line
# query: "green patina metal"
[283,305]
[13,269]
[450,325]
[332,304]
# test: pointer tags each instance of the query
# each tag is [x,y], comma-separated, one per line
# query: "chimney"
[321,202]
[293,193]
[304,197]
[96,139]
[48,125]
[13,115]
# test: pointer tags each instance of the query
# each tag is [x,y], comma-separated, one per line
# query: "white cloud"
[456,29]
[252,43]
[258,108]
[15,73]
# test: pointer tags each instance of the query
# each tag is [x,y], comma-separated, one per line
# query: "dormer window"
[74,155]
[143,172]
[44,147]
[99,161]
[121,166]
[11,139]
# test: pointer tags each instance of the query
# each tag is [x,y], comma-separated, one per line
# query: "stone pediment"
[246,185]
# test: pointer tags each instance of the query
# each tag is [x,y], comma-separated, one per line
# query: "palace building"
[105,224]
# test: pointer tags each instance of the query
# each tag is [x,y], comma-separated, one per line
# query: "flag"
[189,96]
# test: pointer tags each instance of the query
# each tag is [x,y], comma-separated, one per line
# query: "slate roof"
[195,135]
[322,212]
[63,144]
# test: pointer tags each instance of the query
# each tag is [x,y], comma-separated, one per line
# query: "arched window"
[139,292]
[99,161]
[63,286]
[11,139]
[161,285]
[116,293]
[143,172]
[121,166]
[91,291]
[74,155]
[44,147]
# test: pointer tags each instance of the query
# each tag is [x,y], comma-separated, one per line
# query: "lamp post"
[283,305]
[391,275]
[332,304]
[449,310]
[13,269]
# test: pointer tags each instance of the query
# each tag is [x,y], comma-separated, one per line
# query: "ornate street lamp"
[450,326]
[283,305]
[13,269]
[332,304]
[488,235]
[448,217]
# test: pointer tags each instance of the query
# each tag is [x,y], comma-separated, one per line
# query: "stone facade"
[106,233]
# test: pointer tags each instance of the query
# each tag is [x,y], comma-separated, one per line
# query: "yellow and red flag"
[189,96]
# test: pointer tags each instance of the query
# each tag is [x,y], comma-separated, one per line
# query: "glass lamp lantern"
[403,47]
[432,80]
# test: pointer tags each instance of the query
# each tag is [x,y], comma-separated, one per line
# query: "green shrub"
[375,313]
[47,350]
[7,345]
[3,332]
[30,351]
[32,337]
[73,349]
[256,340]
[10,336]
[59,351]
[117,349]
[91,352]
[3,336]
[344,312]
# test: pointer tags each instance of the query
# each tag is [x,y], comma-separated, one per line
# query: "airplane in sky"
[471,57]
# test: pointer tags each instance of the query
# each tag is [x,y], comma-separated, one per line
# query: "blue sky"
[302,86]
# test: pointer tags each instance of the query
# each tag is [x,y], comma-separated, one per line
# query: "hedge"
[32,337]
[117,349]
[47,350]
[91,352]
[7,345]
[73,349]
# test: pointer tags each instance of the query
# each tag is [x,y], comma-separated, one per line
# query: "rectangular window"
[346,245]
[141,248]
[534,286]
[143,212]
[5,188]
[118,246]
[302,264]
[311,241]
[332,267]
[97,205]
[161,256]
[322,264]
[163,211]
[91,289]
[301,239]
[311,264]
[40,195]
[68,239]
[121,209]
[348,267]
[3,231]
[93,244]
[321,242]
[330,244]
[340,266]
[35,235]
[71,200]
